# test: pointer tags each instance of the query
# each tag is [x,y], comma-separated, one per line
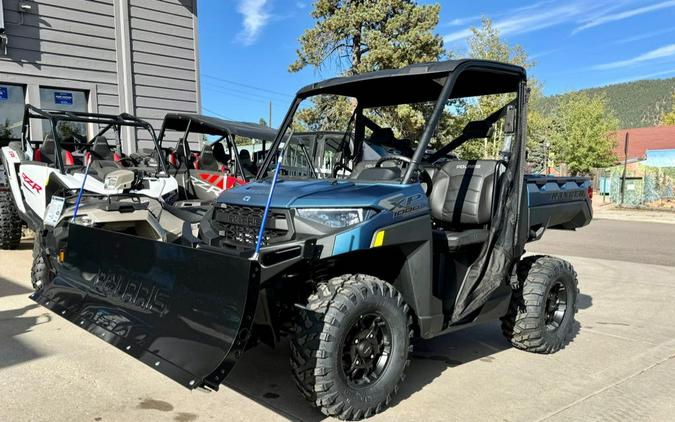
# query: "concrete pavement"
[619,366]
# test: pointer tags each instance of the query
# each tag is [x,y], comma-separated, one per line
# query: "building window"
[65,100]
[12,100]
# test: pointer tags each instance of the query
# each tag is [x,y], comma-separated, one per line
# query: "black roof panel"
[422,82]
[215,126]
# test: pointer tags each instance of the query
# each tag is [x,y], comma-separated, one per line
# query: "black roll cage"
[225,134]
[452,71]
[110,121]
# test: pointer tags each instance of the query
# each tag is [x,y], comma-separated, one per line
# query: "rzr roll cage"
[109,121]
[207,125]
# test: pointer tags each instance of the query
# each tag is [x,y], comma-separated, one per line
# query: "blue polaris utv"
[400,240]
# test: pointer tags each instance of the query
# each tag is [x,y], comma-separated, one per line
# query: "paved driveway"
[619,366]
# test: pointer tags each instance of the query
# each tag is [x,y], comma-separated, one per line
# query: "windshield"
[331,134]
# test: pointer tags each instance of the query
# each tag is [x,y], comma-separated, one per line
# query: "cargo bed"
[557,203]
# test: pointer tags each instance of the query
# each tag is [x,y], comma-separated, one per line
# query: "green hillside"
[636,104]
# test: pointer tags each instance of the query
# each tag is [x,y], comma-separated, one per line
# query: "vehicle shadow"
[14,322]
[10,288]
[264,375]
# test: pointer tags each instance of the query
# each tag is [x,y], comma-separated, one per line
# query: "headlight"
[333,217]
[83,221]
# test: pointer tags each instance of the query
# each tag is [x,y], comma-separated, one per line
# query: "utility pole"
[269,122]
[625,164]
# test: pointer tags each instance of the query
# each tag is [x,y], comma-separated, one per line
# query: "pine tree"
[357,36]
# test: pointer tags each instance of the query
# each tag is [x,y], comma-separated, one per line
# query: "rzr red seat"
[47,154]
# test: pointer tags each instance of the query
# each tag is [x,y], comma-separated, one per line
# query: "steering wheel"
[398,158]
[425,178]
[423,175]
[130,160]
[80,144]
[338,167]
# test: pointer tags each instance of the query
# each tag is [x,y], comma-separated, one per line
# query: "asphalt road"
[628,241]
[619,366]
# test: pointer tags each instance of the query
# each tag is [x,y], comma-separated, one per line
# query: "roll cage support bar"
[114,121]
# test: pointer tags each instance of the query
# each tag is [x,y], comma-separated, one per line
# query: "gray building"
[106,56]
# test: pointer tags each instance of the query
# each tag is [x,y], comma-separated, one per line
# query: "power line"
[240,97]
[246,85]
[227,90]
[216,113]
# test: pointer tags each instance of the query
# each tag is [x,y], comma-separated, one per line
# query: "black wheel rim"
[366,350]
[556,305]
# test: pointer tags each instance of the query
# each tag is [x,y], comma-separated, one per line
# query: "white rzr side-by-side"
[38,173]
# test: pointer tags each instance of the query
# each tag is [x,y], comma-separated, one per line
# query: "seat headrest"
[101,148]
[219,153]
[244,155]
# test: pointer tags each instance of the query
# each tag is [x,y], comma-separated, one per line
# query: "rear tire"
[10,222]
[351,346]
[541,314]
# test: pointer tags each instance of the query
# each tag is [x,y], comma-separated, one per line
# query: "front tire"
[40,274]
[10,222]
[541,315]
[351,346]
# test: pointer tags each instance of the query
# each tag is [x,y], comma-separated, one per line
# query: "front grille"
[238,226]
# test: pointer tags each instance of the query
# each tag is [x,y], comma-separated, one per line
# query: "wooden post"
[625,165]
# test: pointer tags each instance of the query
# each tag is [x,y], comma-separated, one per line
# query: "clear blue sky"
[247,45]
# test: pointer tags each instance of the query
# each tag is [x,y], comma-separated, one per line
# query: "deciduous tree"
[486,43]
[668,119]
[582,133]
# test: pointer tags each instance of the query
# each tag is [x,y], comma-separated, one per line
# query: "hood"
[314,193]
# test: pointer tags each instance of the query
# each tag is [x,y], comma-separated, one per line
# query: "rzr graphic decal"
[215,183]
[30,184]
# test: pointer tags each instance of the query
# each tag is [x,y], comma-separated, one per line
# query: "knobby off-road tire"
[10,222]
[541,314]
[326,350]
[39,273]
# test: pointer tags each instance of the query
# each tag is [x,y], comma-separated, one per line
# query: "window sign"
[64,98]
[4,94]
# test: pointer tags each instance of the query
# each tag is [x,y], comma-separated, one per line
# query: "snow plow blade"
[185,312]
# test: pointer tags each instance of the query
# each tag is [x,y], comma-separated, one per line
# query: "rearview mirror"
[510,119]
